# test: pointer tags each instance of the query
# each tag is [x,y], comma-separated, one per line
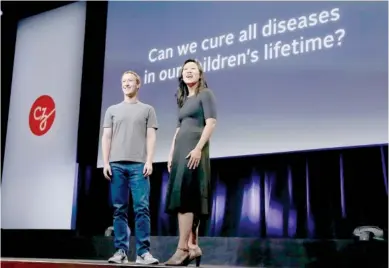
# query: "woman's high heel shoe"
[198,261]
[179,259]
[195,254]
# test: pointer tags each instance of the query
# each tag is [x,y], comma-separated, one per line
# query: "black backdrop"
[316,194]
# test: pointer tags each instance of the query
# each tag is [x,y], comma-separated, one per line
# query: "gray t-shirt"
[129,123]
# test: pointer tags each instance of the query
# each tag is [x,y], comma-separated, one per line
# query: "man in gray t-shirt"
[128,148]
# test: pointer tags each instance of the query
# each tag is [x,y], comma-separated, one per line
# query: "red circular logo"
[42,115]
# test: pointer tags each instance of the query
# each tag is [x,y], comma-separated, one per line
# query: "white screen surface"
[40,169]
[287,76]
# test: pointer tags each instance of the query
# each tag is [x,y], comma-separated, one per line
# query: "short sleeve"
[152,119]
[208,103]
[108,122]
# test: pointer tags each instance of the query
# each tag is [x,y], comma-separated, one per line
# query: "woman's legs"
[185,222]
[195,252]
[181,256]
[194,234]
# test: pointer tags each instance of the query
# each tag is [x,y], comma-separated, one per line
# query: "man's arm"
[151,136]
[106,144]
[150,143]
[107,136]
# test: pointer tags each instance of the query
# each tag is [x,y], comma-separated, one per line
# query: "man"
[128,147]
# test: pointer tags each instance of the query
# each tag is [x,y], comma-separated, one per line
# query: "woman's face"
[190,73]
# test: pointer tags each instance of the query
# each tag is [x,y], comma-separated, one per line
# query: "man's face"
[129,85]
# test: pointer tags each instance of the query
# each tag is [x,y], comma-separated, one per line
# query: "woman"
[188,194]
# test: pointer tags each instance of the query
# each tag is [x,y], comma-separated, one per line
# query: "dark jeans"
[128,176]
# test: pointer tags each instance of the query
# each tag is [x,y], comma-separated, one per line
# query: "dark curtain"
[318,194]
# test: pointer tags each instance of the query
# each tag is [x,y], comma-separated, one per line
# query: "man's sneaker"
[120,256]
[146,258]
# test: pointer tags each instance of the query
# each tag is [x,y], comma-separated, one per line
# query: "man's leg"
[120,196]
[140,190]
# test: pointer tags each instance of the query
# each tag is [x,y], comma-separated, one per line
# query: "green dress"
[190,190]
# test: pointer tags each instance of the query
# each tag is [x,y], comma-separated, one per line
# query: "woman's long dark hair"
[183,92]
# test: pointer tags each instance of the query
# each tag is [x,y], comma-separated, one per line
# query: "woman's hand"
[194,158]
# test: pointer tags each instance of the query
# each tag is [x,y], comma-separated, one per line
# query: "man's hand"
[107,171]
[148,169]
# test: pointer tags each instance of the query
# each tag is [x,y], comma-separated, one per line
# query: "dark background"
[315,194]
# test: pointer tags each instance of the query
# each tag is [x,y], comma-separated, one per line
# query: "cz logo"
[42,115]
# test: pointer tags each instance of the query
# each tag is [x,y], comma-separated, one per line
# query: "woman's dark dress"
[189,190]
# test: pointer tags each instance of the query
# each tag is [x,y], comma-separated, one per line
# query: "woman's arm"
[209,108]
[173,143]
[174,137]
[170,159]
[210,124]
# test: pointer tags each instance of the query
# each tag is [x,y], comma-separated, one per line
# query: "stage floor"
[37,263]
[219,252]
